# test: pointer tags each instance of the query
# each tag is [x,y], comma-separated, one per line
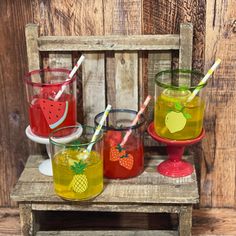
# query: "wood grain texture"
[164,17]
[185,52]
[28,226]
[148,188]
[13,106]
[218,162]
[10,221]
[126,80]
[122,17]
[150,192]
[69,17]
[215,221]
[109,43]
[206,222]
[31,35]
[156,63]
[93,86]
[110,232]
[60,60]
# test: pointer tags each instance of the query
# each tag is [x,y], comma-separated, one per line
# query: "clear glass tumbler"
[176,117]
[77,172]
[122,158]
[51,96]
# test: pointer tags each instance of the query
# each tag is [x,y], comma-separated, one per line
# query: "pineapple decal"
[79,183]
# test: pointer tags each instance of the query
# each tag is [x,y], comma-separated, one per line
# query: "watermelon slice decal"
[54,112]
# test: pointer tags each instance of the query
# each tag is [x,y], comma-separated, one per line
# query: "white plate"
[43,140]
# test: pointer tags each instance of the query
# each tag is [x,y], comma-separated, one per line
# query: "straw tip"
[108,107]
[218,61]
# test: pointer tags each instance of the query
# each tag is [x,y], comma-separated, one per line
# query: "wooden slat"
[108,43]
[93,80]
[186,45]
[31,34]
[185,51]
[101,207]
[218,165]
[156,63]
[119,193]
[126,80]
[60,60]
[148,188]
[109,233]
[206,221]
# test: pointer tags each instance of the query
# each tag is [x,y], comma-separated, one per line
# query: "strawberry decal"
[176,120]
[116,153]
[127,161]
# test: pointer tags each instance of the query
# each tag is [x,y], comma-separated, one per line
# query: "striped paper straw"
[203,81]
[99,127]
[75,68]
[137,117]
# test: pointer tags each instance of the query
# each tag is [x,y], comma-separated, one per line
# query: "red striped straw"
[137,117]
[75,68]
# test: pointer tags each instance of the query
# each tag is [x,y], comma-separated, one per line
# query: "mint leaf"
[187,115]
[178,106]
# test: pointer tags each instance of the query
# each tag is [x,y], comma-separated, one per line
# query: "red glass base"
[174,167]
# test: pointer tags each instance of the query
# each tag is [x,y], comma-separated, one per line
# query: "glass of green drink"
[177,116]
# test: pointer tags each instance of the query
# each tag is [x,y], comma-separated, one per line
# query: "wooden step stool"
[118,70]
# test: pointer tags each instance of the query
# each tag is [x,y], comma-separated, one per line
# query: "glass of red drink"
[122,159]
[51,97]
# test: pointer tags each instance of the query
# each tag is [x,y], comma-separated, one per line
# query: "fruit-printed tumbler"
[175,117]
[77,173]
[122,159]
[51,96]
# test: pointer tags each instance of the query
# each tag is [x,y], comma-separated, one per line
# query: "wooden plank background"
[218,163]
[214,36]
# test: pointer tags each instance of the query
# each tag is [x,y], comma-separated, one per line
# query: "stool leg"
[27,219]
[185,221]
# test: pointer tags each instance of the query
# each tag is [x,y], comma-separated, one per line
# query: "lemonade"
[77,176]
[174,118]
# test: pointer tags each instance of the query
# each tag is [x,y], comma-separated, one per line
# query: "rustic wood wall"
[214,29]
[218,163]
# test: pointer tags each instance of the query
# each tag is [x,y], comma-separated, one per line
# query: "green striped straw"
[99,127]
[204,80]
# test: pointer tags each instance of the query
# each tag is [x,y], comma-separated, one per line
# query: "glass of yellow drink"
[77,173]
[175,116]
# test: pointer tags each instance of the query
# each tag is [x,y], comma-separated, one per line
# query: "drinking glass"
[51,97]
[77,172]
[122,158]
[175,116]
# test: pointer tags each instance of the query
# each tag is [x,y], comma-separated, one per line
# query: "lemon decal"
[176,120]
